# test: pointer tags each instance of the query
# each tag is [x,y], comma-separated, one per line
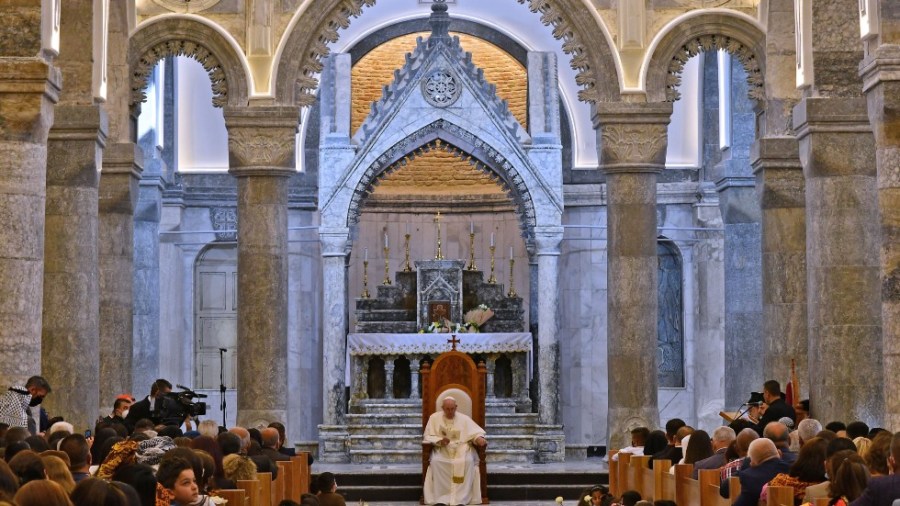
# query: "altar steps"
[390,432]
[503,485]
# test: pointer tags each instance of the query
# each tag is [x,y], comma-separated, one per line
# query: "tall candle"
[492,238]
[407,227]
[471,227]
[510,252]
[366,255]
[385,240]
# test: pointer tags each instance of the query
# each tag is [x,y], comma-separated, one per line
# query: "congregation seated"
[671,452]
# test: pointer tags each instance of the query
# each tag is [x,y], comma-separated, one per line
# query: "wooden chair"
[252,491]
[235,497]
[455,373]
[265,488]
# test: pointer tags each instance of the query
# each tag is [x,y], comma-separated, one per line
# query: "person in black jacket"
[777,408]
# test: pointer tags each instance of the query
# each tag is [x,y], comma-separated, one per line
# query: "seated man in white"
[452,477]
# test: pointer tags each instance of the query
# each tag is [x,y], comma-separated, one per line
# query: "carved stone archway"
[181,36]
[462,143]
[307,43]
[697,34]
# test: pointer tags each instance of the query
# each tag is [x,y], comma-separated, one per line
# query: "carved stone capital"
[881,66]
[779,173]
[547,240]
[261,140]
[334,241]
[634,137]
[28,89]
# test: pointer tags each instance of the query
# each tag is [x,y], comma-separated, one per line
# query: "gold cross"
[453,341]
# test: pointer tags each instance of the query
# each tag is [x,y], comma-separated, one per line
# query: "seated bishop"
[453,476]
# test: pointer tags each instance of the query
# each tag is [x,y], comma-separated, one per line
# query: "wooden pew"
[641,475]
[301,474]
[278,488]
[613,474]
[624,470]
[265,489]
[663,481]
[780,496]
[286,476]
[251,489]
[822,501]
[235,496]
[734,488]
[709,488]
[687,489]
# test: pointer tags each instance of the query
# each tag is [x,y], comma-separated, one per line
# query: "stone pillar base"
[260,417]
[549,444]
[334,444]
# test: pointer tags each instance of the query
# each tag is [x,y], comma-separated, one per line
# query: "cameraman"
[157,406]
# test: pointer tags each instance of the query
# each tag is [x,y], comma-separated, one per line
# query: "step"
[509,429]
[384,419]
[413,442]
[386,456]
[390,407]
[511,418]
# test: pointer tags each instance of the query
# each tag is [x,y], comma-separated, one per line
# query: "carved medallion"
[441,88]
[189,6]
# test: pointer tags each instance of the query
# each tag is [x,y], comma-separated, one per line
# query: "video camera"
[182,405]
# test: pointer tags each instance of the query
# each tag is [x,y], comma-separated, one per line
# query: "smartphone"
[87,433]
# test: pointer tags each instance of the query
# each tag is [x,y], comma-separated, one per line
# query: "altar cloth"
[399,344]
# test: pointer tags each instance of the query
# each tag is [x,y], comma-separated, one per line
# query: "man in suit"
[779,434]
[765,463]
[671,453]
[884,490]
[153,407]
[777,408]
[722,438]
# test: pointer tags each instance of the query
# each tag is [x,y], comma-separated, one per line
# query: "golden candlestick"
[492,280]
[387,267]
[512,287]
[365,292]
[408,268]
[472,266]
[439,255]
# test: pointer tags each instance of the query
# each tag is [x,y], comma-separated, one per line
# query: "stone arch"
[300,53]
[179,35]
[464,144]
[695,33]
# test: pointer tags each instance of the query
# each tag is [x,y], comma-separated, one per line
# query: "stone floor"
[594,465]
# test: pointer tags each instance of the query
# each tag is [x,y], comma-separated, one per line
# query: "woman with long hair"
[850,477]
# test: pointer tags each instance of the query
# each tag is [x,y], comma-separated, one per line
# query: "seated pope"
[453,477]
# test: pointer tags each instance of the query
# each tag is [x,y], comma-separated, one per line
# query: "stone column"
[389,376]
[779,180]
[261,156]
[29,86]
[843,270]
[70,350]
[414,365]
[333,435]
[122,164]
[633,141]
[547,240]
[147,280]
[881,82]
[491,365]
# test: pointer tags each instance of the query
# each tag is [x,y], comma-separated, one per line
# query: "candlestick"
[512,287]
[492,280]
[472,266]
[387,267]
[407,268]
[365,292]
[439,255]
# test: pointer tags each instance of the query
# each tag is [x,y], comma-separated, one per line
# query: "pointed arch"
[694,33]
[464,144]
[298,58]
[197,38]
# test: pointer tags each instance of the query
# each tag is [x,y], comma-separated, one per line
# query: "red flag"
[789,394]
[792,391]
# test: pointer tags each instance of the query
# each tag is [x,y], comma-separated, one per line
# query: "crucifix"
[453,341]
[437,220]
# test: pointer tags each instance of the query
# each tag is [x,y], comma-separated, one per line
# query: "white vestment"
[452,476]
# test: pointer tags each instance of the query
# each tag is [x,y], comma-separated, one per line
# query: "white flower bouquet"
[475,318]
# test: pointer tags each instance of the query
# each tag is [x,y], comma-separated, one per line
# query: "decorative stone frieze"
[712,43]
[141,71]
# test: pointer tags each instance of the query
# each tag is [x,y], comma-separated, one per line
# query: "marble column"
[414,365]
[333,436]
[70,344]
[116,195]
[547,241]
[491,365]
[779,182]
[389,376]
[837,150]
[633,149]
[261,157]
[29,87]
[881,82]
[334,273]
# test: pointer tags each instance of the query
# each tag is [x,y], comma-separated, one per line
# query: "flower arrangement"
[474,319]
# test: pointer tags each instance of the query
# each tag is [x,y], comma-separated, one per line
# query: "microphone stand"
[222,384]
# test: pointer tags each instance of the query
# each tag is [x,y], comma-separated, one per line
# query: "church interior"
[627,210]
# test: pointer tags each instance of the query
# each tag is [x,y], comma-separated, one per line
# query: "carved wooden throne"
[455,374]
